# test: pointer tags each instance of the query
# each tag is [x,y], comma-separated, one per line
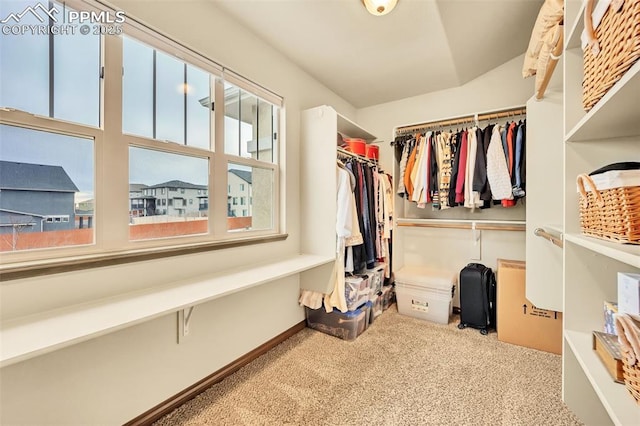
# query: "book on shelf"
[608,349]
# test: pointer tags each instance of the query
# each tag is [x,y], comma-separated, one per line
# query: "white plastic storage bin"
[425,293]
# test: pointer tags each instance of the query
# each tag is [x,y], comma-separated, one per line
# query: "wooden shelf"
[615,398]
[27,337]
[615,115]
[625,253]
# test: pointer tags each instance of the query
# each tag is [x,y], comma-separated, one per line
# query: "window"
[44,176]
[163,125]
[44,74]
[260,184]
[249,125]
[164,98]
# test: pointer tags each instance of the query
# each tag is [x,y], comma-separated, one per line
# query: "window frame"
[111,192]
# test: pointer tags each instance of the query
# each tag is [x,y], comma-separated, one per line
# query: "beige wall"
[112,379]
[445,248]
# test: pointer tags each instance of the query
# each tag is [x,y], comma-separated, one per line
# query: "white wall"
[445,248]
[112,379]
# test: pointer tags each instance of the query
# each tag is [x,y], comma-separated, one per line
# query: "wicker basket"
[631,374]
[628,333]
[618,36]
[611,214]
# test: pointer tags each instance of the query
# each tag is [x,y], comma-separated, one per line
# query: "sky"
[75,93]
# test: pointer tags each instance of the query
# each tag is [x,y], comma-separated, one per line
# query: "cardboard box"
[518,320]
[629,294]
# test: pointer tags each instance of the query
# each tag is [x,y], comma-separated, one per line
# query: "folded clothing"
[628,337]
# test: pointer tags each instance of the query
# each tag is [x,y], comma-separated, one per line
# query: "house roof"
[242,174]
[178,184]
[35,177]
[135,187]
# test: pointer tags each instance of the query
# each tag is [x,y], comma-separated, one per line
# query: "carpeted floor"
[401,371]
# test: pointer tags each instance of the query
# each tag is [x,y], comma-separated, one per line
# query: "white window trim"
[111,238]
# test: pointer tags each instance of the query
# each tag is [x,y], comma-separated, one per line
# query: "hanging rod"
[481,225]
[539,232]
[494,115]
[356,156]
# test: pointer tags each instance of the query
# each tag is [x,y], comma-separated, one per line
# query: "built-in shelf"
[615,398]
[27,337]
[625,253]
[352,130]
[615,115]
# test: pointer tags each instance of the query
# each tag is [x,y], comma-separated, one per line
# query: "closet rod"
[494,115]
[356,156]
[481,226]
[539,232]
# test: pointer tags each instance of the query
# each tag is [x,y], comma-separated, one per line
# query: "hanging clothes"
[471,197]
[497,169]
[462,166]
[455,158]
[403,167]
[444,168]
[450,168]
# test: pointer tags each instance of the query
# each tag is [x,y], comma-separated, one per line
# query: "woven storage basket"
[612,213]
[628,332]
[631,374]
[619,38]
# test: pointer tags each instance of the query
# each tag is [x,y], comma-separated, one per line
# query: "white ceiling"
[420,47]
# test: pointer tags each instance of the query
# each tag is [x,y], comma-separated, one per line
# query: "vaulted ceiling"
[422,46]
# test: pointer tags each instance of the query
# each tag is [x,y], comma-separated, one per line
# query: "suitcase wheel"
[484,331]
[462,326]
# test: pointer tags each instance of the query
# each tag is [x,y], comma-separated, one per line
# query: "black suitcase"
[477,297]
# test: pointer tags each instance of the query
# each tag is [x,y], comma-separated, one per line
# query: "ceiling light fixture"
[379,7]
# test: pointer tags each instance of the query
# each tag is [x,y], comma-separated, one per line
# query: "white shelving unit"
[319,129]
[608,133]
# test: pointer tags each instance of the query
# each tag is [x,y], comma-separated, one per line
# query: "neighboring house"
[84,213]
[178,198]
[140,204]
[239,195]
[35,198]
[86,206]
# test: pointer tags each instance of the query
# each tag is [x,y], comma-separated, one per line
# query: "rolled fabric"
[628,336]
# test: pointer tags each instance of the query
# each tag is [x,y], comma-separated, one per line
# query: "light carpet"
[401,371]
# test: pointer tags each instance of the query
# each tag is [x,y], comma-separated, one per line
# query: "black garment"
[373,213]
[480,181]
[523,159]
[455,160]
[359,252]
[433,170]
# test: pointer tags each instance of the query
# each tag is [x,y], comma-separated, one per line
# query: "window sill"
[28,337]
[28,269]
